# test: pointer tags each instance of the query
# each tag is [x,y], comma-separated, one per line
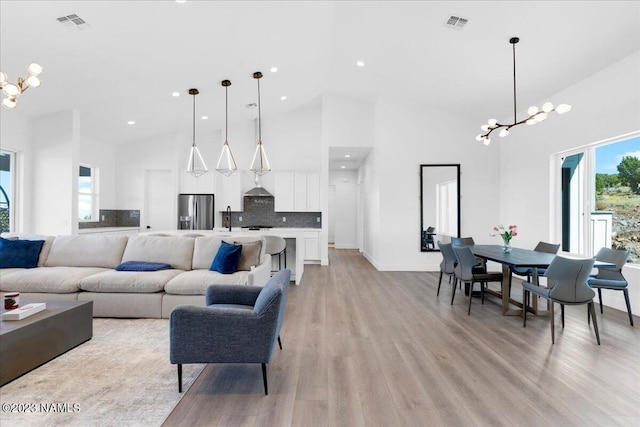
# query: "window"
[600,197]
[7,183]
[88,193]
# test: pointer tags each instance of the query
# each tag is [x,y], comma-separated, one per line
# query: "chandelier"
[196,166]
[12,91]
[536,115]
[226,163]
[260,163]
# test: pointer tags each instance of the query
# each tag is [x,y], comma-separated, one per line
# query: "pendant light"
[226,163]
[260,163]
[535,115]
[196,166]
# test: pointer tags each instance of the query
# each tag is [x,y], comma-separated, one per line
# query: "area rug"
[121,377]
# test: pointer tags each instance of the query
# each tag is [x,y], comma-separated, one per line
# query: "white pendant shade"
[260,163]
[226,163]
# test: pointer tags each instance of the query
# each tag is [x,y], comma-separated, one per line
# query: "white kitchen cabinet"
[284,192]
[297,192]
[311,248]
[229,193]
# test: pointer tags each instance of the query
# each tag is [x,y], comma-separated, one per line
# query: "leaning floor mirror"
[439,204]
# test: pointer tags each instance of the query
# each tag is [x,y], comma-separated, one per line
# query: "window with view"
[600,198]
[88,193]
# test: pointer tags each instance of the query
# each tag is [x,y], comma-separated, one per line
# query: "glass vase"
[506,245]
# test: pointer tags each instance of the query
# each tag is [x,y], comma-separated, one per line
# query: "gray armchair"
[240,324]
[448,265]
[569,286]
[612,278]
[465,271]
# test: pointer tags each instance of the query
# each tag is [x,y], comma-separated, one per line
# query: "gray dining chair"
[568,287]
[612,278]
[550,248]
[481,266]
[464,272]
[448,265]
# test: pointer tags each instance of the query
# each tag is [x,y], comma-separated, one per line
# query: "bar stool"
[276,245]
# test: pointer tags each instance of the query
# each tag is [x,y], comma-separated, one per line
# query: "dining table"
[522,258]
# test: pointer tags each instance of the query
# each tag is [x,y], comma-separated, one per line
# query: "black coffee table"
[28,343]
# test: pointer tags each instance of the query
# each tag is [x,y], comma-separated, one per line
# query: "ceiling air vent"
[73,21]
[456,22]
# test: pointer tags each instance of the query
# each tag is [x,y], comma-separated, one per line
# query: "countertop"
[106,229]
[237,231]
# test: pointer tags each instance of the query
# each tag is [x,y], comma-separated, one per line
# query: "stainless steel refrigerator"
[195,211]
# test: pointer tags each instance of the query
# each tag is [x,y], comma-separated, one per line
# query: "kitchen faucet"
[229,217]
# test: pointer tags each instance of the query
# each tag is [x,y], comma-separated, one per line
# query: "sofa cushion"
[250,256]
[19,253]
[46,247]
[195,282]
[175,251]
[205,248]
[128,281]
[227,258]
[86,251]
[55,280]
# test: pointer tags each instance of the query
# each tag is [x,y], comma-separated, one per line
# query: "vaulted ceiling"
[131,55]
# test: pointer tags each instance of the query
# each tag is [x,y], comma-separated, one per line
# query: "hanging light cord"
[226,113]
[259,115]
[514,82]
[193,142]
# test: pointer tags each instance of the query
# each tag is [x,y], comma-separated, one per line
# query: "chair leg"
[626,299]
[592,309]
[279,342]
[553,325]
[284,253]
[264,378]
[439,282]
[453,291]
[482,285]
[562,314]
[525,295]
[179,378]
[600,298]
[471,297]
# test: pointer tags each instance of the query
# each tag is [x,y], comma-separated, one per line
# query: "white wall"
[605,105]
[103,156]
[345,227]
[16,134]
[406,136]
[56,140]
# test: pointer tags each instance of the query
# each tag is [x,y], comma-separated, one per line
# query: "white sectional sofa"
[82,267]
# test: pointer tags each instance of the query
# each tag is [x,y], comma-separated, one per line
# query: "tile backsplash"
[260,211]
[114,218]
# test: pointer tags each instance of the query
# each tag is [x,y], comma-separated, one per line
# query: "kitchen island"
[302,243]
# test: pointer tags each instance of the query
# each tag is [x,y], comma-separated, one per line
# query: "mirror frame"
[422,166]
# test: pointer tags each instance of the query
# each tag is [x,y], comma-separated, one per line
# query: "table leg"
[505,289]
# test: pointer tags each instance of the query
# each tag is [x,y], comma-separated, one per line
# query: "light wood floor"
[363,347]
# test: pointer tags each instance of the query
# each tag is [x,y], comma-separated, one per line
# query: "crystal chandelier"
[226,163]
[260,163]
[12,91]
[536,115]
[196,166]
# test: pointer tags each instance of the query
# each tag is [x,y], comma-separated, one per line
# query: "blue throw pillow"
[19,253]
[227,258]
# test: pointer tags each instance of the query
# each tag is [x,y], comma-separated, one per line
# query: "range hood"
[258,190]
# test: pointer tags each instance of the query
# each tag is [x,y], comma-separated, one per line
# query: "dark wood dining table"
[517,257]
[523,258]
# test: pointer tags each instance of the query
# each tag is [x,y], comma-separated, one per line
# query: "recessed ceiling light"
[347,155]
[274,69]
[282,98]
[175,94]
[360,63]
[343,167]
[131,122]
[181,1]
[205,117]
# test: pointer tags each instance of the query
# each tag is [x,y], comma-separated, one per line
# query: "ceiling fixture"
[73,22]
[175,94]
[226,163]
[360,63]
[12,91]
[535,115]
[260,163]
[456,22]
[131,122]
[196,166]
[283,98]
[274,69]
